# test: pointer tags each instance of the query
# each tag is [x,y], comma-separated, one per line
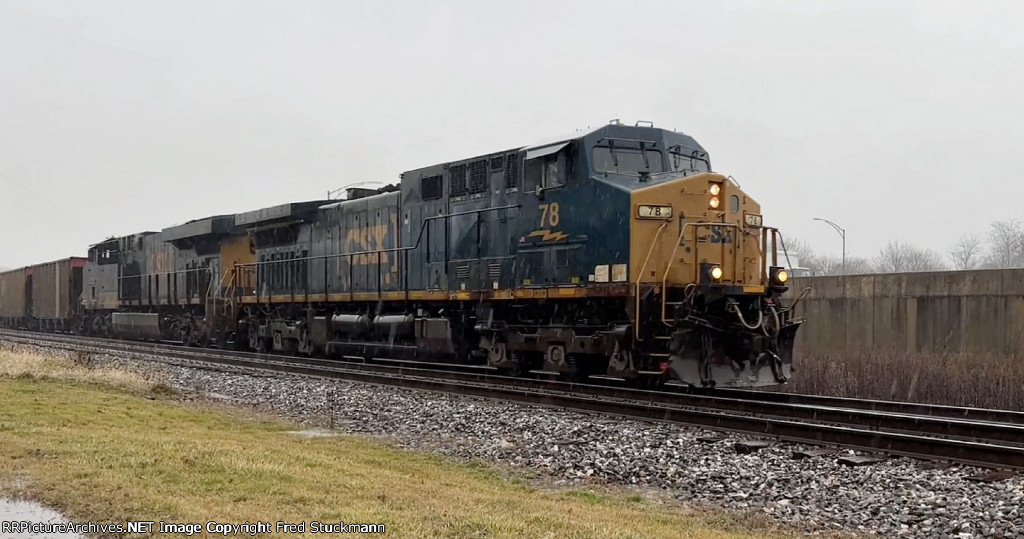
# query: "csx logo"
[719,234]
[370,238]
[366,240]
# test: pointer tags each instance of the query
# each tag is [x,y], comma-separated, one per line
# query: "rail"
[982,443]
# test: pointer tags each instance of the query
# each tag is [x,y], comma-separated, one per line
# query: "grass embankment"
[112,447]
[951,379]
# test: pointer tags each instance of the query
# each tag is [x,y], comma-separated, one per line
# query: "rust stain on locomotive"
[161,261]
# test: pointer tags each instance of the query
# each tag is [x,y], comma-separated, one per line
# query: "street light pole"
[842,234]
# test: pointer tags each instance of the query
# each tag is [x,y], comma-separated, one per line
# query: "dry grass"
[112,455]
[29,362]
[953,379]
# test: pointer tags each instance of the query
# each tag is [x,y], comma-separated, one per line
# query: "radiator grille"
[511,172]
[477,177]
[457,180]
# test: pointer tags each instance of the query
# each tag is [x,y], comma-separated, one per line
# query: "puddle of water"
[219,397]
[313,433]
[17,511]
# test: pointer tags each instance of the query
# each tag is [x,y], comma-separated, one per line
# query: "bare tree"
[826,265]
[1006,243]
[822,264]
[892,258]
[966,252]
[924,260]
[797,249]
[833,265]
[819,264]
[898,257]
[856,265]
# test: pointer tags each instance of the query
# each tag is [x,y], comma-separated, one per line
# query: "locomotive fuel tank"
[138,325]
[352,325]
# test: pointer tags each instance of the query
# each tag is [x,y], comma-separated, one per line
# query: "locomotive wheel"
[621,364]
[576,374]
[254,338]
[517,369]
[507,363]
[305,346]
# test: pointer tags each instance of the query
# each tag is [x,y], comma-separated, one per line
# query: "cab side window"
[547,171]
[554,170]
[533,176]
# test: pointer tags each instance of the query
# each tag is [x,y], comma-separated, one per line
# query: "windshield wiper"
[695,154]
[647,164]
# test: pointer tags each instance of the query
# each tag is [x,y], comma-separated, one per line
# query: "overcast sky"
[896,119]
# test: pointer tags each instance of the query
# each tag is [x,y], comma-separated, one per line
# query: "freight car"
[612,253]
[42,297]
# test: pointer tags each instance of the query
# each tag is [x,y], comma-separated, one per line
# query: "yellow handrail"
[672,259]
[639,275]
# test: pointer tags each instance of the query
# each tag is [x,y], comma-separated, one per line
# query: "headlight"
[715,189]
[778,276]
[714,203]
[711,273]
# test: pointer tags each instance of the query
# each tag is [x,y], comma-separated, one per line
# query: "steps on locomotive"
[656,353]
[606,378]
[545,373]
[436,365]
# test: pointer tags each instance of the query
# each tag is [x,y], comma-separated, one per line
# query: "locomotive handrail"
[639,275]
[389,249]
[378,252]
[675,248]
[172,290]
[672,259]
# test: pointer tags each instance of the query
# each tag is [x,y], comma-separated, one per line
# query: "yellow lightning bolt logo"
[547,235]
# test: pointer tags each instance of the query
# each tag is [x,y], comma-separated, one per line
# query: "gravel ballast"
[894,498]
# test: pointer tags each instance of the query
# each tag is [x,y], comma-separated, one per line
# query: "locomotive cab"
[706,306]
[656,266]
[700,260]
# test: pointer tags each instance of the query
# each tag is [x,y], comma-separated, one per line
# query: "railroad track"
[988,438]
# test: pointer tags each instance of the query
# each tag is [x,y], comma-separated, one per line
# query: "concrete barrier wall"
[978,311]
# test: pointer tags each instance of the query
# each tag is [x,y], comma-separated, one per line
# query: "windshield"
[680,162]
[626,160]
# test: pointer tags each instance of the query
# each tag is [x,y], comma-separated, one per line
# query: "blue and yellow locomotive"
[612,253]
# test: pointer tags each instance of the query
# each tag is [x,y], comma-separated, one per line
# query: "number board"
[752,219]
[649,211]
